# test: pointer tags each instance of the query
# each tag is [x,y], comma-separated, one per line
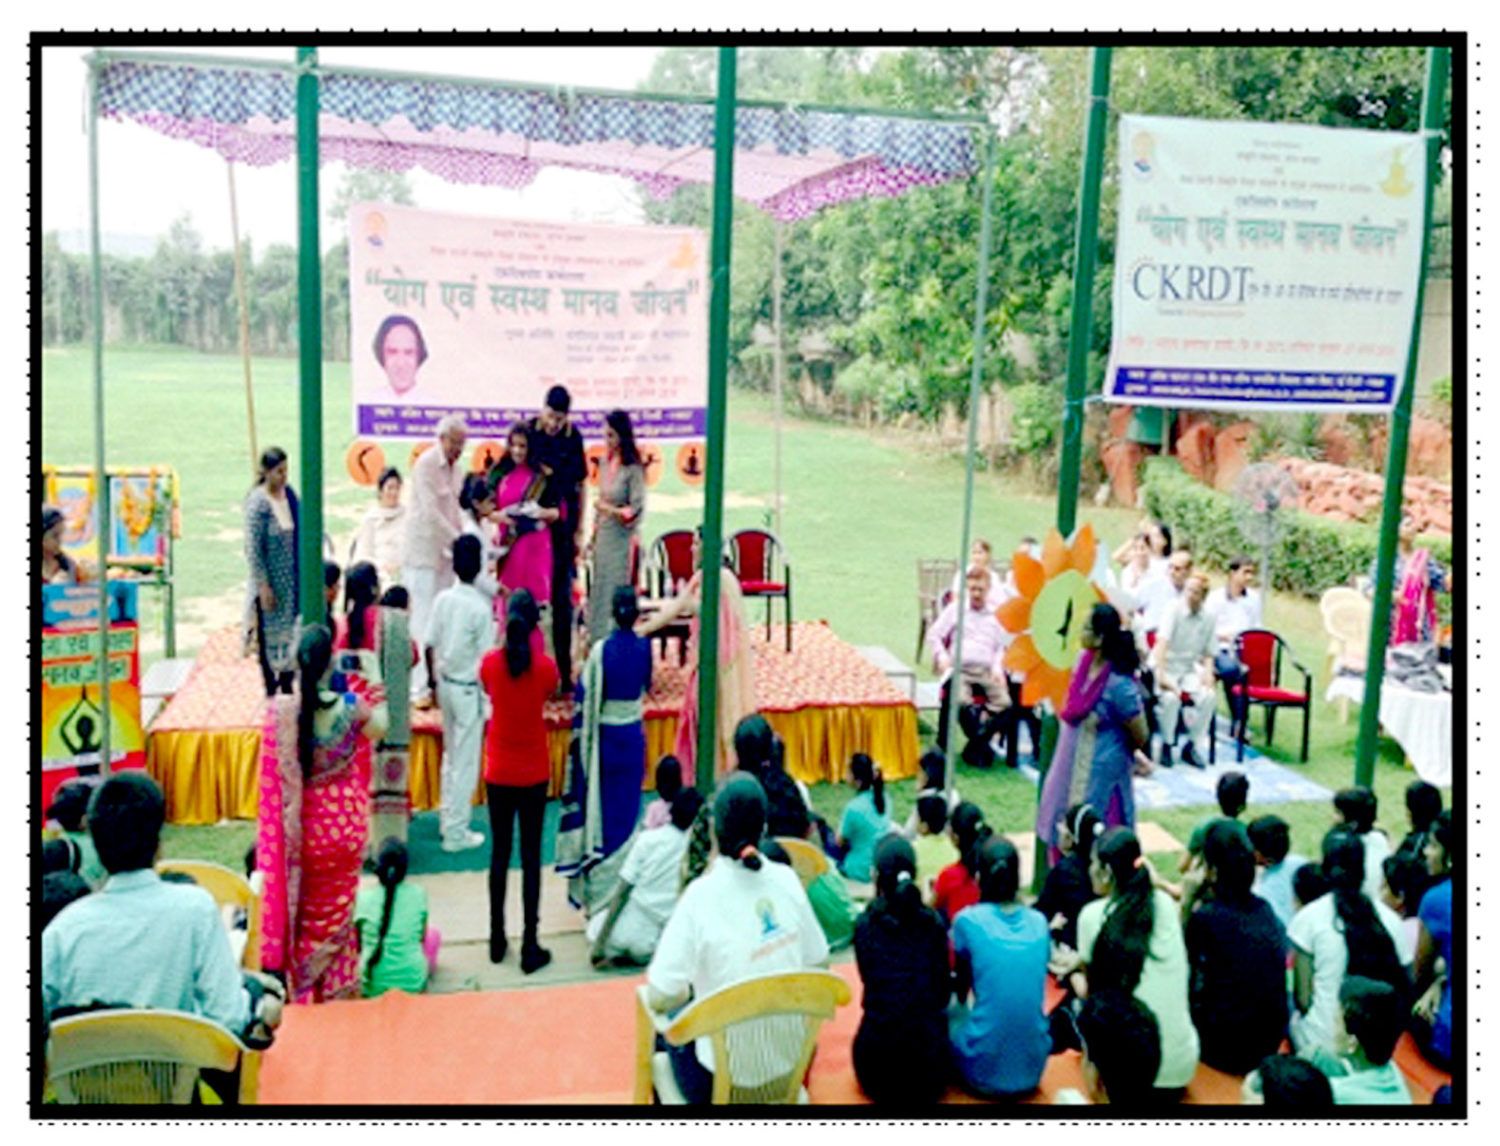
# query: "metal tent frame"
[769,128]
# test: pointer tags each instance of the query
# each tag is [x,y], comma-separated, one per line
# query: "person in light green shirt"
[398,951]
[1369,1025]
[933,847]
[1131,940]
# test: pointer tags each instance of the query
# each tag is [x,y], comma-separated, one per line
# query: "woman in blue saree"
[608,760]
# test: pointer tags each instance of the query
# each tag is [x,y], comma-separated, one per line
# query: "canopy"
[790,161]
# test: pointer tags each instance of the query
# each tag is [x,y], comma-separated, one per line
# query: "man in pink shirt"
[433,522]
[982,673]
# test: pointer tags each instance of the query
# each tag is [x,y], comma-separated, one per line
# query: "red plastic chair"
[756,557]
[1260,652]
[672,560]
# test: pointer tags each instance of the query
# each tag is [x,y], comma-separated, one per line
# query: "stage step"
[894,668]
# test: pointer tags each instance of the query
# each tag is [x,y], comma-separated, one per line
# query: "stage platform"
[823,698]
[573,1046]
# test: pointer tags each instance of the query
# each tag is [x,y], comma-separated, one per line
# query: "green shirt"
[403,963]
[833,908]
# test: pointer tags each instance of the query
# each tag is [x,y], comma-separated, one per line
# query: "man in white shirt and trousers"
[1235,608]
[433,522]
[983,670]
[462,631]
[1183,658]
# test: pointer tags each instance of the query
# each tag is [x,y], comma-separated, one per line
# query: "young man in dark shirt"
[557,450]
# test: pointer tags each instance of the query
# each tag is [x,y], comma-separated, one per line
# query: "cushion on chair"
[763,588]
[1276,695]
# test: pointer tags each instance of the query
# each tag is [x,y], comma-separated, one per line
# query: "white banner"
[1264,265]
[479,317]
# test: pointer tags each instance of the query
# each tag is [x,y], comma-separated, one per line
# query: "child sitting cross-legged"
[668,784]
[933,847]
[398,951]
[1362,1074]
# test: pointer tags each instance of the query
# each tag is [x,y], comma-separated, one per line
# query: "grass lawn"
[859,510]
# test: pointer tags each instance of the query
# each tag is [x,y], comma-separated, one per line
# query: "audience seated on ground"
[1233,793]
[1121,1052]
[759,752]
[667,784]
[1068,888]
[397,948]
[59,888]
[1276,865]
[1361,1073]
[69,811]
[1433,969]
[742,917]
[1131,940]
[144,942]
[1237,958]
[1288,1083]
[1339,934]
[901,1053]
[1355,809]
[1404,881]
[865,820]
[957,885]
[1001,949]
[933,846]
[934,767]
[1424,802]
[628,930]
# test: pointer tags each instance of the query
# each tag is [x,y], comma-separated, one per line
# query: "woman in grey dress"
[271,554]
[617,519]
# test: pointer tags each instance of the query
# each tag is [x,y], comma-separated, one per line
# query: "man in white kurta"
[433,522]
[462,631]
[1184,666]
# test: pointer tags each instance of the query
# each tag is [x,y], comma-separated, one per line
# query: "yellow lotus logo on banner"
[1056,597]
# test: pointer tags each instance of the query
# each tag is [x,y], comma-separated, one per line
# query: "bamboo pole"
[239,291]
[1395,459]
[101,477]
[778,362]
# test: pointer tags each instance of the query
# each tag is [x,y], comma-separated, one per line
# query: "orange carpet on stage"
[825,701]
[571,1045]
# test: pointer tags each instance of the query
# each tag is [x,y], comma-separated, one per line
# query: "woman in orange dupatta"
[736,676]
[312,826]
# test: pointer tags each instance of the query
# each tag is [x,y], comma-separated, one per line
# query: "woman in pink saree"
[736,677]
[1419,579]
[312,826]
[526,543]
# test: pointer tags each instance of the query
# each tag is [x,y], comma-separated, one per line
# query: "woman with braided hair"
[1339,934]
[1130,939]
[397,950]
[901,947]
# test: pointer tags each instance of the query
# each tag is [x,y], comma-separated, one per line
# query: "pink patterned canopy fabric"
[789,162]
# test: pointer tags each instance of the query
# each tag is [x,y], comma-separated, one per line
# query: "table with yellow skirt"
[824,701]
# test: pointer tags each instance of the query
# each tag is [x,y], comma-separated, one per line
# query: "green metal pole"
[1080,327]
[310,340]
[976,377]
[718,372]
[1395,458]
[1085,249]
[101,478]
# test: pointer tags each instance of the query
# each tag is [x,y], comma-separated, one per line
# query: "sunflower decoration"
[1055,598]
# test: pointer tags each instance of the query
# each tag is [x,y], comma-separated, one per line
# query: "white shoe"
[466,842]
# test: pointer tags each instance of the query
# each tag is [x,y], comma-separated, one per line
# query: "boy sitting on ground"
[1276,865]
[1371,1020]
[933,847]
[1121,1052]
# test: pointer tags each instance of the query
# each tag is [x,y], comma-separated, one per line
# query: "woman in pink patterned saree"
[313,820]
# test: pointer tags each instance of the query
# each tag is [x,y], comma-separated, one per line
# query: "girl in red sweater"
[517,679]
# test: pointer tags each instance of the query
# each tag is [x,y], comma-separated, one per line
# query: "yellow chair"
[232,891]
[763,1031]
[1347,622]
[808,861]
[142,1057]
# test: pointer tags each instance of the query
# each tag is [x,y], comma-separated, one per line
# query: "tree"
[358,185]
